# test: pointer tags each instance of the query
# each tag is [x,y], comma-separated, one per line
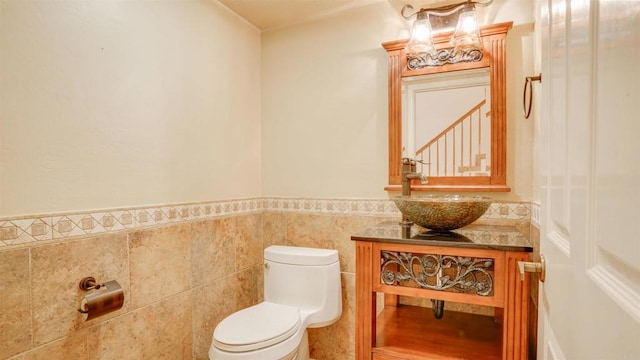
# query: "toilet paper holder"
[104,297]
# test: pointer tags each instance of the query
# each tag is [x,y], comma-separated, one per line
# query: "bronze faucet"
[409,173]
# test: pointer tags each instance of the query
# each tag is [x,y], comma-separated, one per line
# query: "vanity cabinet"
[474,265]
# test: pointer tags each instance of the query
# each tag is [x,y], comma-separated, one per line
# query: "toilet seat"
[256,327]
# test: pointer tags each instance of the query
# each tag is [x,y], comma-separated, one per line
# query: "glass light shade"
[421,40]
[467,34]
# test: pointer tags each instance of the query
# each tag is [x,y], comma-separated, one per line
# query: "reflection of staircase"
[459,149]
[477,165]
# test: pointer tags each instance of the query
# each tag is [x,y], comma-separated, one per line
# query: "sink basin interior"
[443,212]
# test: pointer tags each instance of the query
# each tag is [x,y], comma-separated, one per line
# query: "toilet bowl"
[301,289]
[263,331]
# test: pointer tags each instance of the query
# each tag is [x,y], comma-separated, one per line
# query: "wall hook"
[528,89]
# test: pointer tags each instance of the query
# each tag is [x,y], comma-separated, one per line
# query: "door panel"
[552,349]
[590,188]
[618,159]
[614,252]
[558,189]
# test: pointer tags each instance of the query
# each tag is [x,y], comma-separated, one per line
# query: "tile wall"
[182,267]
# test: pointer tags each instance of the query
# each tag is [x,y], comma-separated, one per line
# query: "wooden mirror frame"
[494,57]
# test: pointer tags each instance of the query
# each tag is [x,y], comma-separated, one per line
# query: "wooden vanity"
[477,264]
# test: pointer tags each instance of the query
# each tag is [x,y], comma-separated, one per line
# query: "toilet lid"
[256,327]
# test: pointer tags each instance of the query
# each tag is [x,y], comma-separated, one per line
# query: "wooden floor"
[409,332]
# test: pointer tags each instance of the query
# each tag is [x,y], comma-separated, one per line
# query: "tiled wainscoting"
[182,267]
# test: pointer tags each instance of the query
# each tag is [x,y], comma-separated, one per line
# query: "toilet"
[301,290]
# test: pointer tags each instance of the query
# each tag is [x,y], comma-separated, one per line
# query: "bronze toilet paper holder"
[106,298]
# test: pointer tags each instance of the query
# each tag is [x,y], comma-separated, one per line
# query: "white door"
[588,113]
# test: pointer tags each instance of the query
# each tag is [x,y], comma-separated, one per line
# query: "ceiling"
[272,14]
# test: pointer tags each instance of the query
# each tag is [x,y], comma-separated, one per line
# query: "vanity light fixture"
[466,41]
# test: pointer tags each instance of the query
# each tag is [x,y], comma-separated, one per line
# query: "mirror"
[450,117]
[447,118]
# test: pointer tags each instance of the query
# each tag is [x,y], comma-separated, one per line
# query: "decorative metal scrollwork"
[439,272]
[443,57]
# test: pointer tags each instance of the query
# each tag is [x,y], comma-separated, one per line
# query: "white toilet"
[301,289]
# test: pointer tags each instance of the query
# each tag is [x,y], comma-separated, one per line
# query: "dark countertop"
[489,237]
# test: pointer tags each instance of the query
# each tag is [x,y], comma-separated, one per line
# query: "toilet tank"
[307,278]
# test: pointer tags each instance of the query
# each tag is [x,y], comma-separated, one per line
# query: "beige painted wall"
[324,106]
[324,113]
[124,103]
[119,104]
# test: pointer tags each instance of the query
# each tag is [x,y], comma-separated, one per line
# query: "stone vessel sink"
[442,212]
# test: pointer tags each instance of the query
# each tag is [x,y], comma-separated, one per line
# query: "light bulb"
[421,40]
[467,32]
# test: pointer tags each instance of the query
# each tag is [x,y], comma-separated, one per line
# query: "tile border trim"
[536,207]
[28,230]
